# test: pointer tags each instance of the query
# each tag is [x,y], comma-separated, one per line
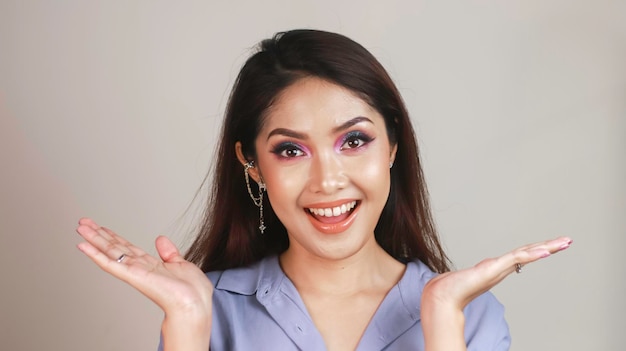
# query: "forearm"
[186,333]
[443,328]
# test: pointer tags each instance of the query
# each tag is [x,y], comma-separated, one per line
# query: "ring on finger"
[518,268]
[121,258]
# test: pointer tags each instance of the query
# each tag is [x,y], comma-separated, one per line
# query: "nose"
[327,174]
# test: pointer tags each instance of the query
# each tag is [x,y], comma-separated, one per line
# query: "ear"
[254,171]
[392,157]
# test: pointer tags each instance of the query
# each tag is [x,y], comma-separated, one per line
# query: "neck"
[369,268]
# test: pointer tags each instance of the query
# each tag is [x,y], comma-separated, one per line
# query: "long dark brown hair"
[229,235]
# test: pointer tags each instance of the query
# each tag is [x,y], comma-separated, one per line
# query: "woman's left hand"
[445,296]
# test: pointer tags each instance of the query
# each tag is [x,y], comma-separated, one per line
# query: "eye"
[288,150]
[354,140]
[293,152]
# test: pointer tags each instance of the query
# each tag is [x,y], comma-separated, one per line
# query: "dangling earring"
[258,201]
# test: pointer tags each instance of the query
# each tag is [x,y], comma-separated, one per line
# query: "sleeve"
[485,326]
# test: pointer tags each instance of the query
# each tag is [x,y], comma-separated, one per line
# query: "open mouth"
[332,220]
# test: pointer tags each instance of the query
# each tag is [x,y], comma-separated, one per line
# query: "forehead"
[313,103]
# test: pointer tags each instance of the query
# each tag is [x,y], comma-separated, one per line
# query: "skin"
[320,146]
[340,154]
[178,287]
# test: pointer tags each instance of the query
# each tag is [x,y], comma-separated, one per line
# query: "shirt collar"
[264,277]
[398,312]
[252,279]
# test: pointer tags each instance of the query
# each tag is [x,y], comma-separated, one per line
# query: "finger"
[127,272]
[556,245]
[167,250]
[547,243]
[111,248]
[121,240]
[88,222]
[506,264]
[488,273]
[492,271]
[102,260]
[536,251]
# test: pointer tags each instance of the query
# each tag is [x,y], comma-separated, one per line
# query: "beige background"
[110,109]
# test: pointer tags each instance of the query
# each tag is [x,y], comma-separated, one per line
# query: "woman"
[318,233]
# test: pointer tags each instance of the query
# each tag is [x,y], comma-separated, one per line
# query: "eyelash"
[282,149]
[363,138]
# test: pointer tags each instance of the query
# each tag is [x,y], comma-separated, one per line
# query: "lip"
[333,228]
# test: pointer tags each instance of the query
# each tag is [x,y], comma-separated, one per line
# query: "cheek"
[374,175]
[377,172]
[283,187]
[373,164]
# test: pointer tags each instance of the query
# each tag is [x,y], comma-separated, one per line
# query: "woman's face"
[324,155]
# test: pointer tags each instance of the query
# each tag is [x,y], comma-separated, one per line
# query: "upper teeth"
[333,211]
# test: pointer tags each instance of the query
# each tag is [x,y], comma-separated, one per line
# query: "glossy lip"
[333,228]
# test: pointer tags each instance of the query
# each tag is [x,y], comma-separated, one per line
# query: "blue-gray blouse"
[259,308]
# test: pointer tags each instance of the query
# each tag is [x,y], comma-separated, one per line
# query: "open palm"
[174,284]
[460,287]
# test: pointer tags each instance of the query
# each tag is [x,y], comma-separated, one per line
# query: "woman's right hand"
[177,286]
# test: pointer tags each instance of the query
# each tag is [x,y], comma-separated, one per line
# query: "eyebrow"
[302,136]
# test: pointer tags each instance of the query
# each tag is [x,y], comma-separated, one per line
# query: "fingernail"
[565,246]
